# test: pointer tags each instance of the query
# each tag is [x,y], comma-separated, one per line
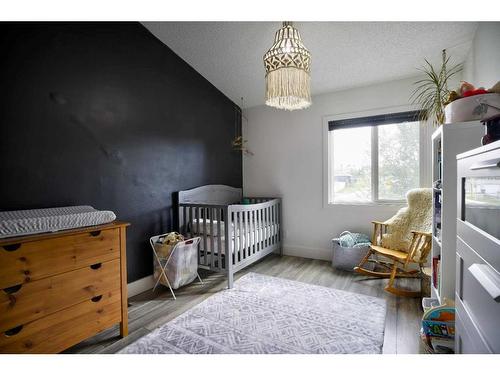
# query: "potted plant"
[432,93]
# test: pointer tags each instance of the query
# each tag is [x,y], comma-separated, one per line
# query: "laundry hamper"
[348,250]
[175,260]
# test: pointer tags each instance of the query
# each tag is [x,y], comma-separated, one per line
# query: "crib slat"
[197,233]
[205,249]
[212,249]
[273,221]
[256,235]
[266,220]
[279,223]
[273,227]
[219,241]
[248,234]
[256,239]
[237,242]
[245,234]
[183,231]
[268,239]
[240,242]
[276,223]
[258,230]
[270,220]
[241,236]
[251,235]
[190,223]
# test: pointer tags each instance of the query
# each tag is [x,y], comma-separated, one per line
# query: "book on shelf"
[435,271]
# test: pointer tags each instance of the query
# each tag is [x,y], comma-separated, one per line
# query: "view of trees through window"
[396,159]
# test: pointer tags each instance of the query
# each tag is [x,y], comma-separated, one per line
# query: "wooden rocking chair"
[398,262]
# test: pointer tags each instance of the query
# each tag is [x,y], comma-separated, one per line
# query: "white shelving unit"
[448,141]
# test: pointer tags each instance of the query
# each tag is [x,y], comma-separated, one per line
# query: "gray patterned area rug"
[264,314]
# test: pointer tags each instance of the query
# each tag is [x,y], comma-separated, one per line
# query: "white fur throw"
[417,216]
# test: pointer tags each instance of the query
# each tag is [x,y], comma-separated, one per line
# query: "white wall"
[482,67]
[288,162]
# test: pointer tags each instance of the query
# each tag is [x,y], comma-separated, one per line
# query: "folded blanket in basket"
[348,239]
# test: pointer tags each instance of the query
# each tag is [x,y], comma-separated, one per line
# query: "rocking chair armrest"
[420,244]
[426,234]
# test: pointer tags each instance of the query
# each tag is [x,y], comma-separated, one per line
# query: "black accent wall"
[105,114]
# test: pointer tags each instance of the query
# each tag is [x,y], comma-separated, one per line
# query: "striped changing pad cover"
[24,222]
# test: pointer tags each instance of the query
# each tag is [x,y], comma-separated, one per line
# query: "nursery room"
[203,184]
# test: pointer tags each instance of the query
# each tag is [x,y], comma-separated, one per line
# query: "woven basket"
[346,258]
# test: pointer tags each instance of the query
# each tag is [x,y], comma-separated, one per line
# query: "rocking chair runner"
[399,261]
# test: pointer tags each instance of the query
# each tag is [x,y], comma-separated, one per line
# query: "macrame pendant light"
[288,64]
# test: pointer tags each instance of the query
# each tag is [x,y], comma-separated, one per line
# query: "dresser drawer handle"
[487,278]
[13,331]
[493,163]
[13,289]
[12,247]
[96,266]
[95,233]
[96,298]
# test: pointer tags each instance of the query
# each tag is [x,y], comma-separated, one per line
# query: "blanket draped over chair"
[417,217]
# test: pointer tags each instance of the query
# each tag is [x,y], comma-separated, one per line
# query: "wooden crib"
[219,212]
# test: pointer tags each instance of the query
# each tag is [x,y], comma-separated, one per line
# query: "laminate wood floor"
[150,310]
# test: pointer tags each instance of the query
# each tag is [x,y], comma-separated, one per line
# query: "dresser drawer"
[33,260]
[468,340]
[476,281]
[31,301]
[483,244]
[56,332]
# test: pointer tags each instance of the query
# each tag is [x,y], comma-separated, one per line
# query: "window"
[373,159]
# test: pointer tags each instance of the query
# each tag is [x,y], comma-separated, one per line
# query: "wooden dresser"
[57,289]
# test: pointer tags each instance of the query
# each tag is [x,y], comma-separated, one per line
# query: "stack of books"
[438,329]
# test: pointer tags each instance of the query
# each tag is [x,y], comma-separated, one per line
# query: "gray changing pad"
[23,222]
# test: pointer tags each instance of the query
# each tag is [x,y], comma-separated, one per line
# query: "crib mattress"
[249,239]
[25,222]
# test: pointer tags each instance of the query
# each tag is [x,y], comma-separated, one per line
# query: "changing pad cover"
[24,222]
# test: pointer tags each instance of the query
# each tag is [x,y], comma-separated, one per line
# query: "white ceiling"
[344,54]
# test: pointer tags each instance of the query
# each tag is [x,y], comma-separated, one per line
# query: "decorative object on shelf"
[239,143]
[288,67]
[432,91]
[469,103]
[492,130]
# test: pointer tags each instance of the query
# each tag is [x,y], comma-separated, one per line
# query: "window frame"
[328,163]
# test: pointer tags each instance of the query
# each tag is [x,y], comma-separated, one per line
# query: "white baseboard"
[138,286]
[307,252]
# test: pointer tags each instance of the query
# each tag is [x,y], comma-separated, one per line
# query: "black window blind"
[390,118]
